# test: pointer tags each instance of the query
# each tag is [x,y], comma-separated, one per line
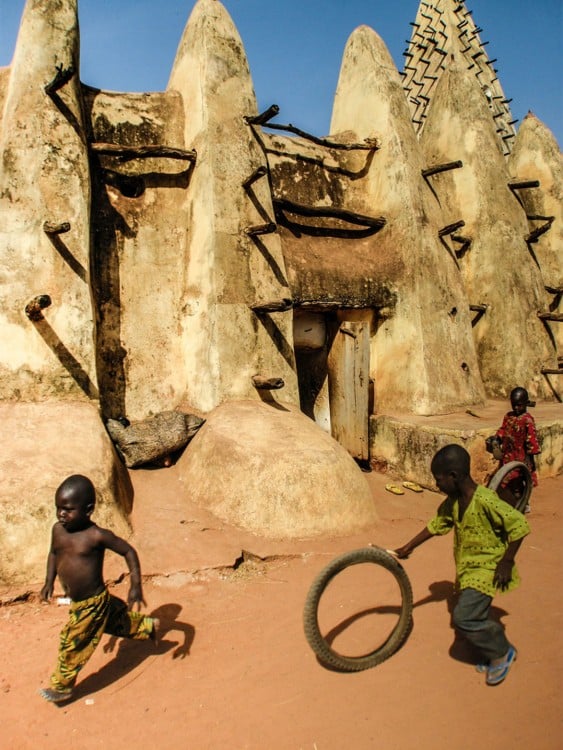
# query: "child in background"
[519,441]
[77,556]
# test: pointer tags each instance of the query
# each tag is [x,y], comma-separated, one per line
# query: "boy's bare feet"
[55,696]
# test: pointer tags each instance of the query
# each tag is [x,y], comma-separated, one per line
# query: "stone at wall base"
[269,469]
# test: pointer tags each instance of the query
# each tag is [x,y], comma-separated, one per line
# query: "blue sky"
[295,47]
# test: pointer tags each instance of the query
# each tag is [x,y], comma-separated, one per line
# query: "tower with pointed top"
[442,33]
[45,210]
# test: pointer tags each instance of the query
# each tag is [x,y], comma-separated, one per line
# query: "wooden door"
[348,383]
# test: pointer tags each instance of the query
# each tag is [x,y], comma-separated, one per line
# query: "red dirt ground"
[234,671]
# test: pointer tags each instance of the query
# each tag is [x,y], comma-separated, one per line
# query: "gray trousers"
[471,619]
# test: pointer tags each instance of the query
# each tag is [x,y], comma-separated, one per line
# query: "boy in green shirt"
[487,534]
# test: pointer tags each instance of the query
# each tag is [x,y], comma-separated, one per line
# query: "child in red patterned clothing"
[519,441]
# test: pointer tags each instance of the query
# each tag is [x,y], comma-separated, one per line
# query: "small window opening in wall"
[453,312]
[129,186]
[465,367]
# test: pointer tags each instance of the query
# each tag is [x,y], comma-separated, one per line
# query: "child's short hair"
[80,486]
[452,457]
[520,396]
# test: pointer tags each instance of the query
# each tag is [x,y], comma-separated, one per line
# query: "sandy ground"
[234,671]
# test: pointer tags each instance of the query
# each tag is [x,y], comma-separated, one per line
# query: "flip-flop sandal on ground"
[55,696]
[412,486]
[495,675]
[394,489]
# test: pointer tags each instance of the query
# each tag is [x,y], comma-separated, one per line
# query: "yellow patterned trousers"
[88,620]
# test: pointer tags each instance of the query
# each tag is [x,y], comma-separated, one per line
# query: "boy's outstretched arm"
[47,591]
[422,536]
[123,548]
[136,587]
[503,572]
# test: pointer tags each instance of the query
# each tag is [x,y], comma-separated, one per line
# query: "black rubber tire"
[497,478]
[396,638]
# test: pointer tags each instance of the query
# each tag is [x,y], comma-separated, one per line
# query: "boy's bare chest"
[77,544]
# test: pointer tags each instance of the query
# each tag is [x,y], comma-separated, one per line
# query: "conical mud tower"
[431,319]
[536,164]
[499,273]
[47,332]
[48,381]
[444,29]
[235,268]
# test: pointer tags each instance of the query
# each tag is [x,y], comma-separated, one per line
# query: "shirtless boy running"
[77,557]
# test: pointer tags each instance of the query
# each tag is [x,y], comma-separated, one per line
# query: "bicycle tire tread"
[398,635]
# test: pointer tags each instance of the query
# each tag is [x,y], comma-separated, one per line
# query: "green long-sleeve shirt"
[481,537]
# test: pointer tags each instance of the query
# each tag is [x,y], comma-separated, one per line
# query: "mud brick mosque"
[372,295]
